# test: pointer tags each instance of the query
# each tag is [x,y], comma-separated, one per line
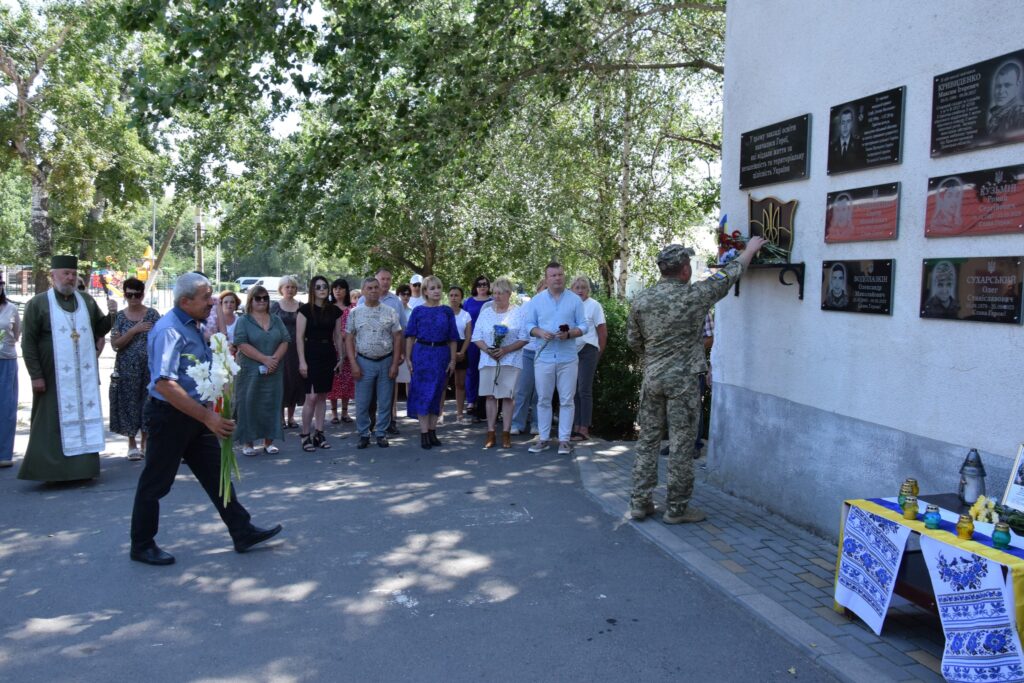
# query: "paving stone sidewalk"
[782,573]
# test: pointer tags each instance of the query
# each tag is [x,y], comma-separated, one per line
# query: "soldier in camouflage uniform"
[665,326]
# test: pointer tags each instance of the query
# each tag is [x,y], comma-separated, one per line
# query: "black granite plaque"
[979,105]
[863,213]
[984,289]
[857,286]
[775,153]
[866,132]
[986,202]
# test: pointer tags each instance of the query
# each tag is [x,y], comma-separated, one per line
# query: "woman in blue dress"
[473,305]
[430,339]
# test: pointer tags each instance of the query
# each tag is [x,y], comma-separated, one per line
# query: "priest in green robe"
[58,343]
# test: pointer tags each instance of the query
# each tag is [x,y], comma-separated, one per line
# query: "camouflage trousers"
[678,404]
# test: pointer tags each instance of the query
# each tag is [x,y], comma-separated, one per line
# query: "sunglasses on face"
[133,295]
[261,299]
[320,287]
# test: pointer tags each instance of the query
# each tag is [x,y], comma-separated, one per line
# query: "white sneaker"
[564,448]
[540,446]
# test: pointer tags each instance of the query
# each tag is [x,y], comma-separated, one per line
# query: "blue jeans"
[526,394]
[375,378]
[8,406]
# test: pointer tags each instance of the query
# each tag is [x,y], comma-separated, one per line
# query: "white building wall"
[850,404]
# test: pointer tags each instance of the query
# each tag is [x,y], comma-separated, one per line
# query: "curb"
[821,649]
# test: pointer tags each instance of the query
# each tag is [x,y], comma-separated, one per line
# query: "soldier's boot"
[691,514]
[643,511]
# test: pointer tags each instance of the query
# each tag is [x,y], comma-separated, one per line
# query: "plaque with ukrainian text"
[989,202]
[857,286]
[867,132]
[775,153]
[862,214]
[980,105]
[981,289]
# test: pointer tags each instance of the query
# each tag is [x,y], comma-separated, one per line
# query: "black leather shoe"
[152,555]
[392,429]
[364,441]
[424,441]
[432,436]
[255,536]
[382,442]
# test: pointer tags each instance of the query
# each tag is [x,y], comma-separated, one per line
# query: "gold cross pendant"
[75,335]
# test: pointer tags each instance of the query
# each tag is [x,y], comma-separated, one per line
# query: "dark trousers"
[173,437]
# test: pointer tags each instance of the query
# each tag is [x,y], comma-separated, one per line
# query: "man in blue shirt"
[556,317]
[181,426]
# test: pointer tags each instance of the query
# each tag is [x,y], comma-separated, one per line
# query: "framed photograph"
[1014,495]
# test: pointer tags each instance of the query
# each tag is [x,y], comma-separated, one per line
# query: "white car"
[245,283]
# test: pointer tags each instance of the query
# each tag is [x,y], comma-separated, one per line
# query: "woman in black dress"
[316,328]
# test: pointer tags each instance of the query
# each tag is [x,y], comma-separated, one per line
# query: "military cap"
[674,255]
[63,261]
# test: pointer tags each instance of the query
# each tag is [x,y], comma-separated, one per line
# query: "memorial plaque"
[979,105]
[984,289]
[867,132]
[862,214]
[857,286]
[986,202]
[775,153]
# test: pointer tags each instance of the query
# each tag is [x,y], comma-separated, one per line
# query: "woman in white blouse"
[501,359]
[590,347]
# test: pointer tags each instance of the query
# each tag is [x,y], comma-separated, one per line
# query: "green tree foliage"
[15,194]
[456,137]
[618,378]
[67,126]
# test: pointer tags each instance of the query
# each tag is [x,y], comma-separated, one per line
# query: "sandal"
[307,443]
[335,420]
[320,440]
[249,451]
[576,436]
[346,418]
[135,454]
[291,425]
[272,449]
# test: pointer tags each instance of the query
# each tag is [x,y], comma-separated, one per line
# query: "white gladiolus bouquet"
[215,381]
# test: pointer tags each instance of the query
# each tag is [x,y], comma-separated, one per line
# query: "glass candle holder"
[1001,536]
[910,508]
[932,517]
[965,528]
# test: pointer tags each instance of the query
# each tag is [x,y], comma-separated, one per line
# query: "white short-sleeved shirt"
[462,318]
[484,331]
[594,313]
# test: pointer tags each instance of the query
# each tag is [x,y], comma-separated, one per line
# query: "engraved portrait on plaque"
[866,133]
[979,105]
[982,289]
[988,202]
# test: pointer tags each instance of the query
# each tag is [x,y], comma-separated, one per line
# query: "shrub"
[229,286]
[618,379]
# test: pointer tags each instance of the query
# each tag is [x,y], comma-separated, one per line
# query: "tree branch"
[658,66]
[677,6]
[696,141]
[47,53]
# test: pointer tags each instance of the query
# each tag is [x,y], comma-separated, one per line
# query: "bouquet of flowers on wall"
[215,381]
[730,244]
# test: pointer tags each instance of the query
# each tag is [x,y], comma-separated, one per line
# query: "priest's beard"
[65,290]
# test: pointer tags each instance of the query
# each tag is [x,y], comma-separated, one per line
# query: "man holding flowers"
[181,426]
[664,328]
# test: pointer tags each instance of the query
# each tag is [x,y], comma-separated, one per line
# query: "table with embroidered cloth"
[979,589]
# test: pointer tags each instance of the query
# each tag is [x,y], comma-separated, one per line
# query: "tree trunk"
[625,187]
[41,226]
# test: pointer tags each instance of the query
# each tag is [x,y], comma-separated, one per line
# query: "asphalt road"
[399,564]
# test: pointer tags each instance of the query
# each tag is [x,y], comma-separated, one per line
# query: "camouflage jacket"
[666,322]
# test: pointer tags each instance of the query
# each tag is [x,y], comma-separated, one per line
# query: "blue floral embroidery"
[962,573]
